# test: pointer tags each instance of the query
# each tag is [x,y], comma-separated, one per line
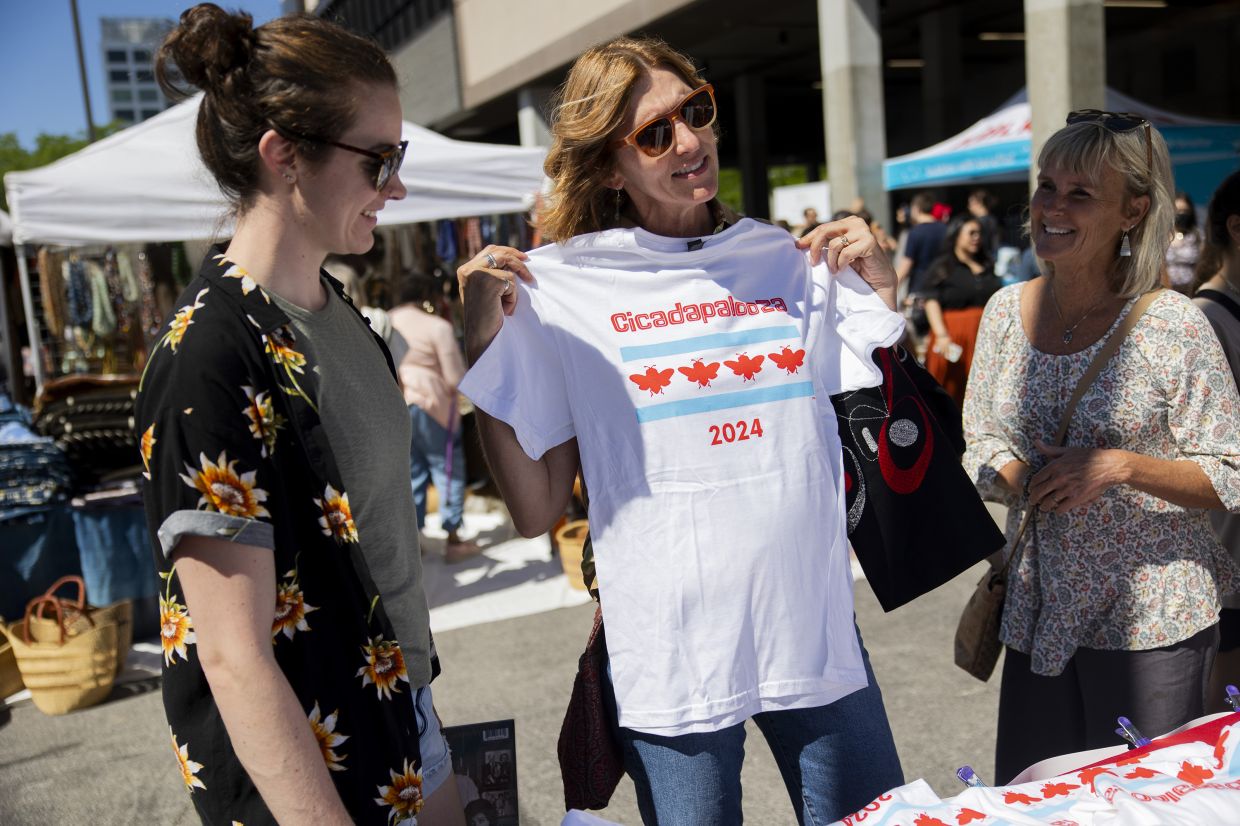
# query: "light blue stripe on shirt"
[708,342]
[725,401]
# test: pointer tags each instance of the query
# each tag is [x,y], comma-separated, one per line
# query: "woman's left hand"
[849,243]
[1075,476]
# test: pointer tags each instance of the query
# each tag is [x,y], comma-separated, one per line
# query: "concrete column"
[1065,63]
[941,84]
[852,102]
[532,116]
[751,146]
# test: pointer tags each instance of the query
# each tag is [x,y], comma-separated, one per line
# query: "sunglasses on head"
[657,136]
[389,159]
[1117,122]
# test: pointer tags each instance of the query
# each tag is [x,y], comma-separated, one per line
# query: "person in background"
[924,242]
[1186,244]
[351,280]
[295,630]
[959,284]
[981,205]
[922,246]
[722,559]
[1217,294]
[887,243]
[1026,267]
[811,221]
[429,373]
[1113,606]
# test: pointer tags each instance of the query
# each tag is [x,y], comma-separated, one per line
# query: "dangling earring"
[1125,248]
[618,191]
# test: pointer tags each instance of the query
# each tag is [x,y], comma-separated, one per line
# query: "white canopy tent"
[148,184]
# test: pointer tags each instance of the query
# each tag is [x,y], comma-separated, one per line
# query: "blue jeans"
[426,458]
[834,760]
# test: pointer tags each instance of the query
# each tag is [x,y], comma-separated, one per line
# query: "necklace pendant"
[1067,337]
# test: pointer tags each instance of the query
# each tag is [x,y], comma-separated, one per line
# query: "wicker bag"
[79,616]
[10,676]
[72,671]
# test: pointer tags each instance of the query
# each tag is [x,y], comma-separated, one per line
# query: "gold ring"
[844,241]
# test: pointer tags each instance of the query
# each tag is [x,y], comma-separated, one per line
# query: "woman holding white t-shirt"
[682,359]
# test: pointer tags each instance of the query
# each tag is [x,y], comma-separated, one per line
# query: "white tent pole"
[32,323]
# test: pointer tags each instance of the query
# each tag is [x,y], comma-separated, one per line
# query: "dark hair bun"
[211,47]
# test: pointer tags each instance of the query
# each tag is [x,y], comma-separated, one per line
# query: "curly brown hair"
[588,109]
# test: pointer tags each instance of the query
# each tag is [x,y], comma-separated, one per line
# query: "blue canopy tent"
[996,149]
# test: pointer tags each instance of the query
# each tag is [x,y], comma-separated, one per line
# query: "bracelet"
[1024,490]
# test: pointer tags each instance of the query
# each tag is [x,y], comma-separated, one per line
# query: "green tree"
[47,148]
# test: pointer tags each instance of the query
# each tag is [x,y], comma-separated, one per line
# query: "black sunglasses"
[1118,122]
[656,136]
[389,159]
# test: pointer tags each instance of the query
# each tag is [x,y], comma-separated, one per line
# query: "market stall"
[105,239]
[997,149]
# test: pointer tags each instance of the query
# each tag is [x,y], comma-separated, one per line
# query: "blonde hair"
[587,110]
[1089,148]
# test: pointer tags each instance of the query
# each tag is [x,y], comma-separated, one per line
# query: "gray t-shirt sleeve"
[213,525]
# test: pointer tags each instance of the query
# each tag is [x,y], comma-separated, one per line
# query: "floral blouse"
[1129,571]
[230,431]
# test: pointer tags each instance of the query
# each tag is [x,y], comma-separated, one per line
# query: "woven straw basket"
[72,671]
[80,616]
[10,675]
[571,540]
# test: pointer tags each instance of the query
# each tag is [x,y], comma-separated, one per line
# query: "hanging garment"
[445,241]
[79,298]
[52,292]
[131,289]
[408,255]
[473,238]
[103,319]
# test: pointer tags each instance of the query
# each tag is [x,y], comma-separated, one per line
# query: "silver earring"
[1125,248]
[618,191]
[289,177]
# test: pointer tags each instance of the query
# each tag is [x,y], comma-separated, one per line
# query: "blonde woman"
[1113,608]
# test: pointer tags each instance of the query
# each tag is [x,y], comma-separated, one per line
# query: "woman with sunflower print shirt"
[297,650]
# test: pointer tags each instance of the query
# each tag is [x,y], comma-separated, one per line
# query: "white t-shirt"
[696,385]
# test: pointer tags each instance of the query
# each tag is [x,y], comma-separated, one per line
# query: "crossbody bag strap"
[1095,367]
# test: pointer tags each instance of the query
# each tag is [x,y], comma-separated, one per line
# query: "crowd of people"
[678,358]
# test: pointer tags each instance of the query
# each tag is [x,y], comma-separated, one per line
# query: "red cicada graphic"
[652,380]
[701,373]
[788,359]
[746,366]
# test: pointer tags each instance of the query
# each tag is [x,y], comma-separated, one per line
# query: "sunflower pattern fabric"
[230,433]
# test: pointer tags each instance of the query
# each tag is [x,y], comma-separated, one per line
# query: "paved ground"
[111,764]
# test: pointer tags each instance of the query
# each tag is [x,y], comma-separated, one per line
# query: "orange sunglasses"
[656,137]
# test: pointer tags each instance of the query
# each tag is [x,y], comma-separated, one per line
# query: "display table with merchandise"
[1190,776]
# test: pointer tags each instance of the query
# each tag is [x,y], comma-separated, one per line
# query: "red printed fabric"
[1188,779]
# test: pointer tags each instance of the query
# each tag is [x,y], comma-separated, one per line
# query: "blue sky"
[40,90]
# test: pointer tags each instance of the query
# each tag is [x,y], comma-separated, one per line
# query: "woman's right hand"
[487,283]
